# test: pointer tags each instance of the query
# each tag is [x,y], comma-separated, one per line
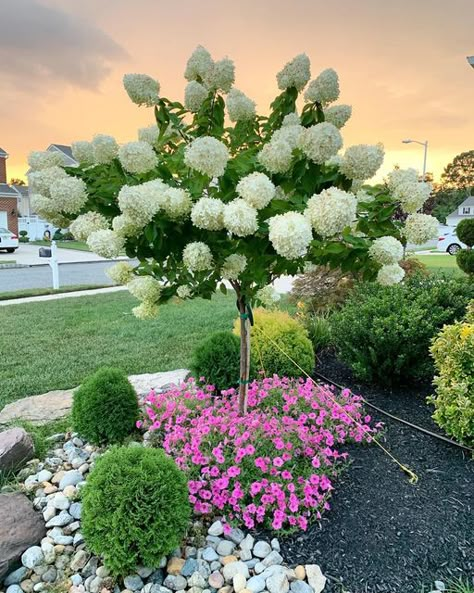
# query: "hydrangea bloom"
[233,266]
[268,297]
[126,225]
[386,250]
[197,257]
[295,73]
[240,218]
[39,160]
[208,214]
[331,211]
[105,148]
[276,156]
[321,142]
[43,206]
[338,115]
[141,202]
[324,89]
[362,161]
[195,94]
[120,273]
[142,89]
[83,152]
[106,243]
[40,181]
[207,155]
[420,228]
[256,189]
[239,106]
[176,203]
[290,234]
[199,63]
[291,134]
[146,311]
[364,196]
[184,291]
[68,194]
[149,135]
[412,195]
[292,119]
[401,176]
[145,288]
[390,274]
[220,76]
[137,157]
[87,223]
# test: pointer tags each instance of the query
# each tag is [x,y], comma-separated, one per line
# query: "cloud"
[42,45]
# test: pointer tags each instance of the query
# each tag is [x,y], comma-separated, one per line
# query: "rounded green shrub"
[217,359]
[465,260]
[465,231]
[135,508]
[105,407]
[384,332]
[275,336]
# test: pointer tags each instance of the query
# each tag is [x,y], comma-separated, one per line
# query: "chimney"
[3,166]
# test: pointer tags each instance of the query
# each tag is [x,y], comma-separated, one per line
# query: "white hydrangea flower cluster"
[362,161]
[239,106]
[83,152]
[184,291]
[208,214]
[40,181]
[145,288]
[324,89]
[195,94]
[220,76]
[39,160]
[331,211]
[140,203]
[290,134]
[386,250]
[207,155]
[199,63]
[291,119]
[401,176]
[240,218]
[276,156]
[87,223]
[290,234]
[295,73]
[268,297]
[126,226]
[412,195]
[68,194]
[105,148]
[197,257]
[106,243]
[338,115]
[43,206]
[320,142]
[256,189]
[364,196]
[390,274]
[120,273]
[176,202]
[146,311]
[149,135]
[420,228]
[137,157]
[142,89]
[233,266]
[334,161]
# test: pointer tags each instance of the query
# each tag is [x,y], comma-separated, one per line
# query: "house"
[8,198]
[66,153]
[463,211]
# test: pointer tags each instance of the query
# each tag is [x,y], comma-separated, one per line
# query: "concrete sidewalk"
[61,295]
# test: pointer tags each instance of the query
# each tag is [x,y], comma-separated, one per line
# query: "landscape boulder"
[16,448]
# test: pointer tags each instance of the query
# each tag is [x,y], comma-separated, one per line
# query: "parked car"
[8,240]
[449,242]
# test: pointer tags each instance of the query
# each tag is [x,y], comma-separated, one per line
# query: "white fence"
[36,227]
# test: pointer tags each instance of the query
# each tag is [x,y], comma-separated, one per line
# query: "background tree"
[17,181]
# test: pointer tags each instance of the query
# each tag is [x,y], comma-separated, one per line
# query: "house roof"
[66,153]
[8,191]
[469,201]
[22,189]
[3,152]
[63,148]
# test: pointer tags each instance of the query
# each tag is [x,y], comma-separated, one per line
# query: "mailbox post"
[52,254]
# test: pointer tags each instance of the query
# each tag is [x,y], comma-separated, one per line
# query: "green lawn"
[78,245]
[56,344]
[441,263]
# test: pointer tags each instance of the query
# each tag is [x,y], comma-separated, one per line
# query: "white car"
[8,240]
[449,242]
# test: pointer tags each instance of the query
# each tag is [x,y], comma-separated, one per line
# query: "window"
[466,210]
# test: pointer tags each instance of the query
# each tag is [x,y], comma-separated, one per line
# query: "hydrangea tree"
[203,201]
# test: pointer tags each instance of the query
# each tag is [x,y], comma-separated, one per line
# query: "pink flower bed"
[276,465]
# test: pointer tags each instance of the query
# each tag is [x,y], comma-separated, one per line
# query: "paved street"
[40,276]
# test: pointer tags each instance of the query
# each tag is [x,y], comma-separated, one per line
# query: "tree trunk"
[244,357]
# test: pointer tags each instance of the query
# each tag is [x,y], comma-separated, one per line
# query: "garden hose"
[401,420]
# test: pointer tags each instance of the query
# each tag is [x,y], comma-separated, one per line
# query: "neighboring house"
[66,153]
[463,211]
[8,198]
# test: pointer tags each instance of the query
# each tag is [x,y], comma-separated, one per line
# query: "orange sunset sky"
[402,65]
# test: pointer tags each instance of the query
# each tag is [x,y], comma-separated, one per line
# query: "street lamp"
[425,144]
[470,60]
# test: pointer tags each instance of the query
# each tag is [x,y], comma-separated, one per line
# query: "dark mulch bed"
[384,534]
